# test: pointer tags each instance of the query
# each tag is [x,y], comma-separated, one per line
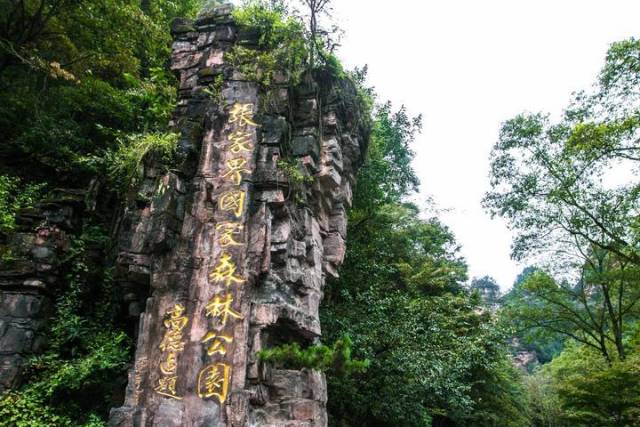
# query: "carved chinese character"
[170,364]
[172,341]
[140,369]
[242,114]
[174,324]
[235,168]
[240,141]
[228,231]
[225,271]
[171,344]
[218,342]
[213,381]
[232,201]
[167,387]
[221,309]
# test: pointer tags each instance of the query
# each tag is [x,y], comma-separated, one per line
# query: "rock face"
[523,358]
[228,252]
[29,272]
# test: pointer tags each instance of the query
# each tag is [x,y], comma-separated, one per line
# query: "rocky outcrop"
[228,252]
[523,358]
[29,274]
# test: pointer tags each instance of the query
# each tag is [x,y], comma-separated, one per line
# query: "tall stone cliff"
[227,254]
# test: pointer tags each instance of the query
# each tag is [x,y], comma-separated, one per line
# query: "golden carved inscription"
[235,168]
[242,114]
[232,201]
[225,271]
[171,346]
[228,232]
[213,381]
[220,309]
[217,343]
[240,141]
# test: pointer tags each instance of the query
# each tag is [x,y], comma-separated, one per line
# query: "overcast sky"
[467,66]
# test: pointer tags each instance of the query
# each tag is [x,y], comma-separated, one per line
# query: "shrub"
[13,197]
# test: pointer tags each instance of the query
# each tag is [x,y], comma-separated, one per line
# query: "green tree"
[596,311]
[550,179]
[488,289]
[545,343]
[593,392]
[544,406]
[77,77]
[554,183]
[73,382]
[435,357]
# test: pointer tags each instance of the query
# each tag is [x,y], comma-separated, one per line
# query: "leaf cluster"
[569,190]
[554,182]
[57,129]
[319,357]
[124,163]
[583,390]
[280,51]
[14,195]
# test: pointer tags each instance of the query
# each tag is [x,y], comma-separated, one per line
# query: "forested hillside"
[408,338]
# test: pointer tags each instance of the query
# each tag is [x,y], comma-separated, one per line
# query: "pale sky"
[467,66]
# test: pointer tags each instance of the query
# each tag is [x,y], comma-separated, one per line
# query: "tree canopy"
[569,191]
[435,357]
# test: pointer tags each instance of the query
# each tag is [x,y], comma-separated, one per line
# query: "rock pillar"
[232,247]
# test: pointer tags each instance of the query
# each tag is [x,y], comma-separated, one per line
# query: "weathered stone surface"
[291,236]
[37,250]
[305,145]
[181,25]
